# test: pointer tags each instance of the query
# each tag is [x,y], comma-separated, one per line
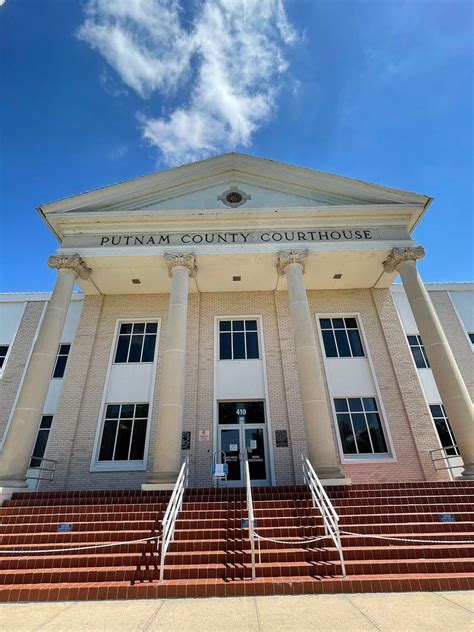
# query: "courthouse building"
[236,307]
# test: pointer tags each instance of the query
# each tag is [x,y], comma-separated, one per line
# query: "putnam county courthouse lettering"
[236,310]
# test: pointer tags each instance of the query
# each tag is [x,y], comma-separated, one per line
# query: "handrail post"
[172,510]
[251,517]
[326,508]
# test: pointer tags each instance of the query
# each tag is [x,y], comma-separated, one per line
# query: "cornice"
[232,166]
[72,223]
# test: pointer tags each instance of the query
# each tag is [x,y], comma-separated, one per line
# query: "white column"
[167,458]
[21,436]
[317,418]
[451,386]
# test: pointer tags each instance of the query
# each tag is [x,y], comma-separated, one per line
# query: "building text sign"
[238,237]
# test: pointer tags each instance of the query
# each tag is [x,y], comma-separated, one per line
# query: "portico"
[292,233]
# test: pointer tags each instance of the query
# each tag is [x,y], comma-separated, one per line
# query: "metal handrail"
[174,507]
[444,457]
[251,515]
[49,471]
[326,508]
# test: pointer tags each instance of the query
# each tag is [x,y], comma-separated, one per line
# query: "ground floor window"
[41,440]
[360,426]
[443,429]
[124,433]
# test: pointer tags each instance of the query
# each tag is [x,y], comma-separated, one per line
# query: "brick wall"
[75,423]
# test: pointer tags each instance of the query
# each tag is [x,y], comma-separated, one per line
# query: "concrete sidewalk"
[349,613]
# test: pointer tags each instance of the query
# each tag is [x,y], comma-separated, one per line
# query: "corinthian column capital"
[285,258]
[181,260]
[71,262]
[400,255]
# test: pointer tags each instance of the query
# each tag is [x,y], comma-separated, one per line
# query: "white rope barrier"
[302,541]
[80,548]
[386,537]
[363,535]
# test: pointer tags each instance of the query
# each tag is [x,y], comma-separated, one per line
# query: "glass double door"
[242,433]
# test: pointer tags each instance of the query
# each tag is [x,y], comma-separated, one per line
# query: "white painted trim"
[268,421]
[30,297]
[461,322]
[391,457]
[125,466]
[451,286]
[12,342]
[40,321]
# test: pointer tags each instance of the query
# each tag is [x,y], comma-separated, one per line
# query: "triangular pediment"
[199,184]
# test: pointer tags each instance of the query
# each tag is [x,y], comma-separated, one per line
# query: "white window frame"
[346,329]
[231,319]
[261,358]
[423,351]
[123,461]
[8,346]
[139,321]
[364,412]
[125,466]
[391,457]
[448,427]
[56,361]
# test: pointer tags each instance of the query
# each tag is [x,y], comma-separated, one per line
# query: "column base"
[153,487]
[331,482]
[468,473]
[160,481]
[330,472]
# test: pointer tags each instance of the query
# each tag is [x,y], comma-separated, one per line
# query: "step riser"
[448,502]
[197,589]
[327,569]
[210,555]
[347,522]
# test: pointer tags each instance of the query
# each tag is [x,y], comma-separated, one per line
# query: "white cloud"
[224,66]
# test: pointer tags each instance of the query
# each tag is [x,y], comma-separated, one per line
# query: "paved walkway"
[349,613]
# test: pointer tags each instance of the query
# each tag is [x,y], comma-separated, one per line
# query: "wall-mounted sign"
[305,236]
[281,438]
[186,440]
[204,436]
[64,528]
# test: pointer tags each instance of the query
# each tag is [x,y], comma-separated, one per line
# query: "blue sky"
[96,92]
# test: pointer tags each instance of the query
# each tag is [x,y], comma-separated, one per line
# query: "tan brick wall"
[407,466]
[86,375]
[75,423]
[460,345]
[236,304]
[421,423]
[19,354]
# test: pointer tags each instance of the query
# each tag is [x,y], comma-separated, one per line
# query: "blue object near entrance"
[220,469]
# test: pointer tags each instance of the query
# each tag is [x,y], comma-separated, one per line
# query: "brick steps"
[222,588]
[210,554]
